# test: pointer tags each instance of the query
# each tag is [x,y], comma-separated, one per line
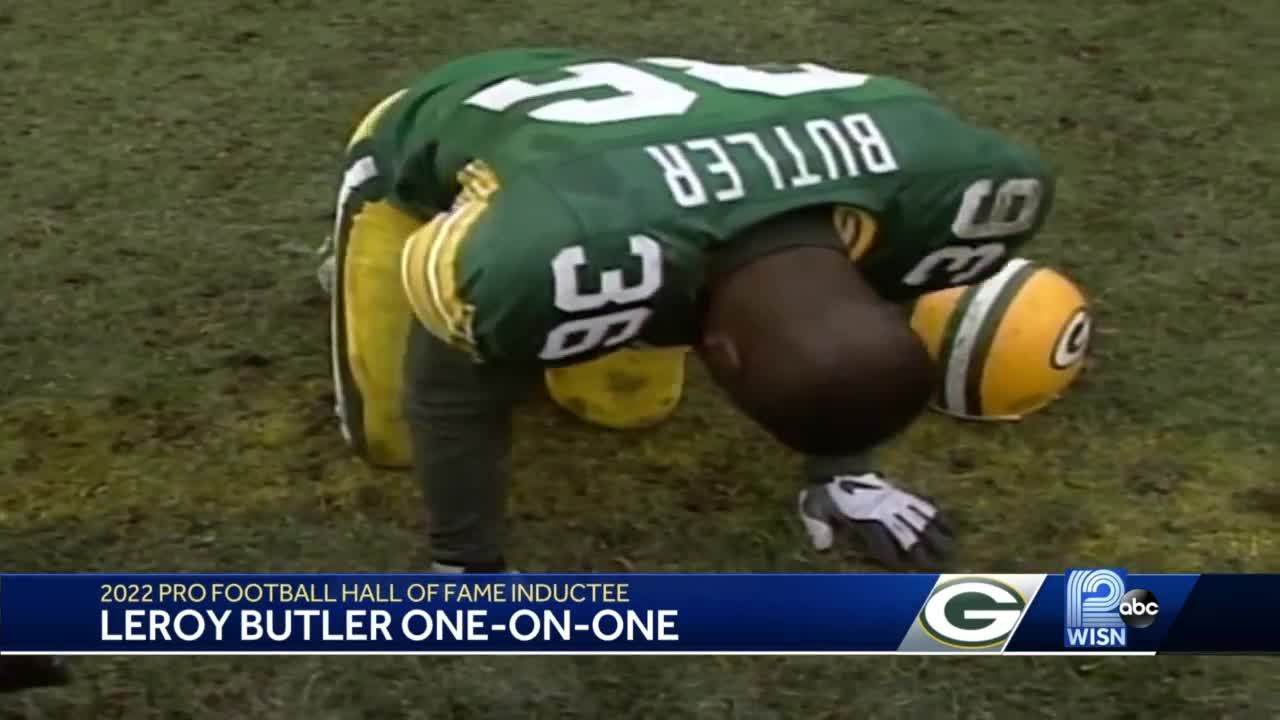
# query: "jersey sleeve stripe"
[413,276]
[986,334]
[979,308]
[430,260]
[429,275]
[441,271]
[477,180]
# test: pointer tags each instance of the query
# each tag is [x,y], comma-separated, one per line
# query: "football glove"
[900,530]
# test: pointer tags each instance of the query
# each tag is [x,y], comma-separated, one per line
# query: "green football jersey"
[580,199]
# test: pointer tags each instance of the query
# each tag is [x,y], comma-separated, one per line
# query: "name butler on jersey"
[608,183]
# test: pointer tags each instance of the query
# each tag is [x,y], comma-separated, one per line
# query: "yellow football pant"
[370,327]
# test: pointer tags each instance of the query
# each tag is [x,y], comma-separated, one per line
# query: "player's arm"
[479,287]
[960,228]
[459,415]
[900,529]
[458,402]
[996,212]
[458,409]
[953,229]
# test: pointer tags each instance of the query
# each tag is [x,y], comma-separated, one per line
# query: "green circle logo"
[972,613]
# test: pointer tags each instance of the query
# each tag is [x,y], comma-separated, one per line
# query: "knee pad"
[624,390]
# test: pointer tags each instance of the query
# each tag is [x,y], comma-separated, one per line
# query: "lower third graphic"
[1093,609]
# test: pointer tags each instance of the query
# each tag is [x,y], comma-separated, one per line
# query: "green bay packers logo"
[1072,341]
[972,613]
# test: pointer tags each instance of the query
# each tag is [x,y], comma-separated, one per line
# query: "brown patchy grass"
[165,383]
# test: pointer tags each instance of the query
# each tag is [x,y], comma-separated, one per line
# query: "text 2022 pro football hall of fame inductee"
[566,216]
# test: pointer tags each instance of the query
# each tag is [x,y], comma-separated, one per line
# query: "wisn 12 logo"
[1100,611]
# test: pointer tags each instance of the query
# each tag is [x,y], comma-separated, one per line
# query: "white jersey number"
[638,95]
[960,263]
[610,329]
[986,212]
[1008,210]
[642,94]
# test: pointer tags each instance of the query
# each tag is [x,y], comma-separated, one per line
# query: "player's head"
[807,349]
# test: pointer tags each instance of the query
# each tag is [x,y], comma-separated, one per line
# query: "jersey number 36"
[987,212]
[615,314]
[610,329]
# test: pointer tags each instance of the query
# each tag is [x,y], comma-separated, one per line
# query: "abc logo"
[1139,608]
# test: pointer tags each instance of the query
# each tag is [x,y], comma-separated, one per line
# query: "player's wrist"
[820,470]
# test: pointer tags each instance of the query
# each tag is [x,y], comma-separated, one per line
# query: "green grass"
[165,382]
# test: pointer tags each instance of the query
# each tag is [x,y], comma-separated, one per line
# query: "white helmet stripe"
[963,344]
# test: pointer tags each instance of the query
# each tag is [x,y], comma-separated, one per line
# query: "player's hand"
[901,530]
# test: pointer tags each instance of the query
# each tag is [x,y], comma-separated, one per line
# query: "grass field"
[165,389]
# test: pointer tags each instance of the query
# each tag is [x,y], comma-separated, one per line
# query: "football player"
[587,219]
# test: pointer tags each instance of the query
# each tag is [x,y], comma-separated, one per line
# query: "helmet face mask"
[1008,346]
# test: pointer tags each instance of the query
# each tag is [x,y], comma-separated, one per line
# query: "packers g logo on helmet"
[1007,346]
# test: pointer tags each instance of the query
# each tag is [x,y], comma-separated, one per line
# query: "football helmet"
[1007,346]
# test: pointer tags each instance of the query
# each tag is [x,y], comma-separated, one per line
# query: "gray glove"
[901,530]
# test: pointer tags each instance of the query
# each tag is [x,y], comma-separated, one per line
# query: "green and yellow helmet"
[1007,346]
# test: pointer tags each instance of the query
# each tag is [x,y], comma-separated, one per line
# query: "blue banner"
[1081,611]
